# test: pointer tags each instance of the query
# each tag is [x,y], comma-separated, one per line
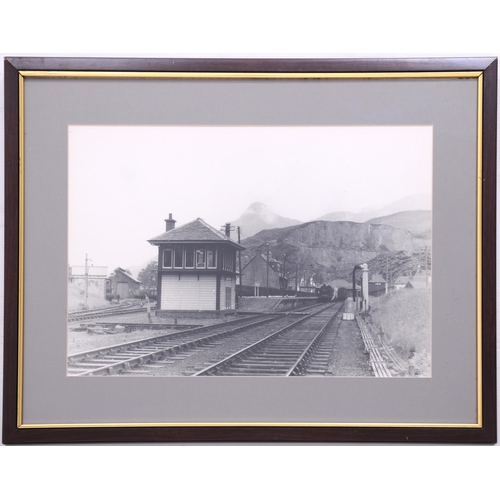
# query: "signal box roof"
[196,231]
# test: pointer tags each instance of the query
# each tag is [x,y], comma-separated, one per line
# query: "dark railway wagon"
[325,293]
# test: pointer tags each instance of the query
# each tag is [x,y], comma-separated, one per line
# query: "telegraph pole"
[267,270]
[239,256]
[387,273]
[87,281]
[284,277]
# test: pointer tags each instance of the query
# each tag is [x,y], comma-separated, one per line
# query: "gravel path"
[348,358]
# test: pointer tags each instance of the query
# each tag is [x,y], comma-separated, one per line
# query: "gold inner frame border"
[253,75]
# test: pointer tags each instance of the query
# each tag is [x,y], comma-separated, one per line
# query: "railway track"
[146,355]
[125,357]
[126,308]
[384,361]
[297,349]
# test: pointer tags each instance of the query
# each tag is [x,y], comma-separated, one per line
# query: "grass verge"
[404,316]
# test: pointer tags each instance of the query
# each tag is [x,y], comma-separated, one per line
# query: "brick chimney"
[170,223]
[228,229]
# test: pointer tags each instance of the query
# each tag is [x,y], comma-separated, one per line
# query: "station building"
[122,284]
[377,285]
[196,268]
[262,275]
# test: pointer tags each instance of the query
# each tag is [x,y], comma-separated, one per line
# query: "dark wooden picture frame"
[16,69]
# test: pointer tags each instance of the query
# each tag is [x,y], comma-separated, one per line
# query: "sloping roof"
[377,278]
[263,259]
[121,270]
[197,230]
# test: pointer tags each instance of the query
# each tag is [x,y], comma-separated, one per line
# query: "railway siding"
[125,308]
[384,360]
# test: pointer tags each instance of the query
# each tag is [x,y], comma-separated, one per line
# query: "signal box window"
[178,256]
[167,257]
[211,257]
[200,257]
[189,256]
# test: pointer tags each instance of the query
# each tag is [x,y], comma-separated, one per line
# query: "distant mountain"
[412,202]
[416,222]
[258,217]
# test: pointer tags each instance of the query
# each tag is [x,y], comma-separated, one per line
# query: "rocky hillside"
[326,250]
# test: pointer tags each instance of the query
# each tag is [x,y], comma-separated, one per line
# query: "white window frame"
[204,250]
[214,250]
[171,258]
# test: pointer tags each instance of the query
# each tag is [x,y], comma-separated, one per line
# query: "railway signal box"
[196,268]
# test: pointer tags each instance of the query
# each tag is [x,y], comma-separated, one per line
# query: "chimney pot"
[170,223]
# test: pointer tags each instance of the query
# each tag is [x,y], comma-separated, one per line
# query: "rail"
[300,366]
[152,348]
[383,358]
[221,365]
[128,308]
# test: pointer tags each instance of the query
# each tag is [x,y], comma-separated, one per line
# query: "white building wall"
[188,293]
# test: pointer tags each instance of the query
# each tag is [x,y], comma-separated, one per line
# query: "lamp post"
[356,267]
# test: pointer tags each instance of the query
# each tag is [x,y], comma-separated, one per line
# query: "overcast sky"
[125,180]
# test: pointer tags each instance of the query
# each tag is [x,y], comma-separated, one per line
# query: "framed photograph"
[250,250]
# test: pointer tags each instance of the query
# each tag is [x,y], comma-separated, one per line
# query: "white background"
[128,157]
[259,29]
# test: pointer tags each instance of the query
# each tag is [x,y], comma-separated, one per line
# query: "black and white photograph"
[249,251]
